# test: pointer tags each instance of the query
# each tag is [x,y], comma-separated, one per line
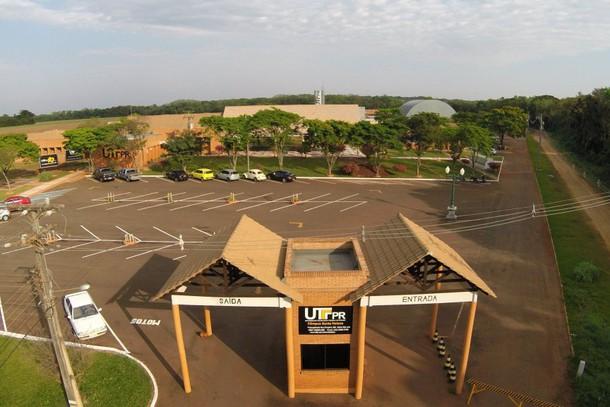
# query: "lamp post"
[452,208]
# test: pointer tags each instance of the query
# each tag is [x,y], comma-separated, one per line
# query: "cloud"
[458,30]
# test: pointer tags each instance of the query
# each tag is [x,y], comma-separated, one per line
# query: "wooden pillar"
[207,318]
[289,351]
[360,357]
[433,321]
[181,352]
[459,383]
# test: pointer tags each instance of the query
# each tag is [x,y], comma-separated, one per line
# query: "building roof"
[347,113]
[247,245]
[414,107]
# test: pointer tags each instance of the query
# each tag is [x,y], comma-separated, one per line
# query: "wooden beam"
[360,357]
[289,351]
[434,319]
[186,379]
[459,383]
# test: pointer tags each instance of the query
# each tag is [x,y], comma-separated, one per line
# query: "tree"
[374,141]
[88,139]
[132,132]
[234,135]
[466,135]
[330,137]
[277,125]
[507,121]
[182,147]
[394,120]
[425,130]
[12,147]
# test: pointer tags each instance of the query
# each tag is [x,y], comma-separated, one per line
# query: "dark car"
[281,175]
[104,174]
[177,175]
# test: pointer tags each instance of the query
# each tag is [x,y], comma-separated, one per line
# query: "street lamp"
[452,208]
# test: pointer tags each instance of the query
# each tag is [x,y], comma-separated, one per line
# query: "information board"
[48,161]
[319,320]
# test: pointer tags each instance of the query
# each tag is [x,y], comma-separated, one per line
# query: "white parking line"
[16,250]
[179,257]
[107,203]
[217,180]
[68,248]
[353,206]
[102,251]
[164,232]
[300,202]
[326,182]
[328,203]
[139,202]
[192,180]
[177,200]
[301,182]
[204,202]
[150,251]
[164,179]
[264,203]
[201,231]
[233,203]
[115,195]
[90,232]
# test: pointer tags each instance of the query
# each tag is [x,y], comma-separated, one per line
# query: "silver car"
[128,174]
[228,175]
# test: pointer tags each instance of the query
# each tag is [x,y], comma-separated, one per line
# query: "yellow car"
[202,174]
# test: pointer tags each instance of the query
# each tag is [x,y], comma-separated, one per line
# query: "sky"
[74,54]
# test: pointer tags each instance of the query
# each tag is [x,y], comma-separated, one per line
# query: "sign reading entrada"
[418,299]
[325,320]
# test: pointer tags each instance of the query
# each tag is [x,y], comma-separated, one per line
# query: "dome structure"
[414,107]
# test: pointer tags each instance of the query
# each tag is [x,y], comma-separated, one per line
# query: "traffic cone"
[448,361]
[435,337]
[441,348]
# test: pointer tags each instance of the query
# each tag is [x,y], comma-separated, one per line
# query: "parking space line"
[138,202]
[233,203]
[164,232]
[90,232]
[179,257]
[300,202]
[301,182]
[177,200]
[165,179]
[201,231]
[330,202]
[17,250]
[102,251]
[353,206]
[204,202]
[150,251]
[108,203]
[115,195]
[192,180]
[326,182]
[68,248]
[265,203]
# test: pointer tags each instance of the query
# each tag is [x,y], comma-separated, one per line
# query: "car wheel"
[5,218]
[284,180]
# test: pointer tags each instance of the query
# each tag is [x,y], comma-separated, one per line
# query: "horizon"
[68,55]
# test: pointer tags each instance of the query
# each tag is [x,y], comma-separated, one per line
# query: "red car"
[17,201]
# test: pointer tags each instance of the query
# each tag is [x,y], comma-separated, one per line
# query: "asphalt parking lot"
[520,340]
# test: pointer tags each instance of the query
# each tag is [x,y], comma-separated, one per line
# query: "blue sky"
[57,55]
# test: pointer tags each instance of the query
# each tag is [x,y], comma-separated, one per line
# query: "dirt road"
[578,186]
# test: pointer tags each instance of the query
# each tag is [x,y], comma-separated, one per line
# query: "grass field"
[316,167]
[29,377]
[52,125]
[587,302]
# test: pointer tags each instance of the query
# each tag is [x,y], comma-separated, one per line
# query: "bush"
[494,165]
[586,272]
[399,167]
[45,176]
[352,169]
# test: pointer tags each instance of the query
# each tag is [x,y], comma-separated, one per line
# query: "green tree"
[425,131]
[279,126]
[508,121]
[88,139]
[182,147]
[476,138]
[234,134]
[329,137]
[132,132]
[12,147]
[374,141]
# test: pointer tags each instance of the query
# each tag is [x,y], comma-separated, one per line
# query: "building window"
[317,357]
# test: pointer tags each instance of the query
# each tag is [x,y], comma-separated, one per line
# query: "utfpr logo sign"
[325,320]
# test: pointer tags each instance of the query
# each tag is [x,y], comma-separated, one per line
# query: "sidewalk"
[45,186]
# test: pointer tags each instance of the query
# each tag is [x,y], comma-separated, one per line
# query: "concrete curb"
[356,178]
[153,401]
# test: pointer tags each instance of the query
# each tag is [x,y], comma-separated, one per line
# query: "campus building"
[439,107]
[346,113]
[325,286]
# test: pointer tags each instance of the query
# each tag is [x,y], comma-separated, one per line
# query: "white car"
[4,214]
[84,315]
[255,175]
[228,175]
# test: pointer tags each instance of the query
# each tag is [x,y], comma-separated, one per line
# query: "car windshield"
[130,171]
[105,170]
[84,311]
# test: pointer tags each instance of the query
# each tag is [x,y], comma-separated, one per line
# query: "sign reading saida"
[325,320]
[48,161]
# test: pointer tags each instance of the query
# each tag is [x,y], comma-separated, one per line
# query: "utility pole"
[39,240]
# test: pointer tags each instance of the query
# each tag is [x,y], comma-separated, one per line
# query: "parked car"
[16,202]
[281,175]
[4,214]
[203,174]
[84,315]
[177,175]
[228,175]
[255,175]
[104,174]
[128,174]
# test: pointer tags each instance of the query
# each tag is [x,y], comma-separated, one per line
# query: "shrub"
[586,272]
[352,169]
[45,176]
[399,167]
[494,165]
